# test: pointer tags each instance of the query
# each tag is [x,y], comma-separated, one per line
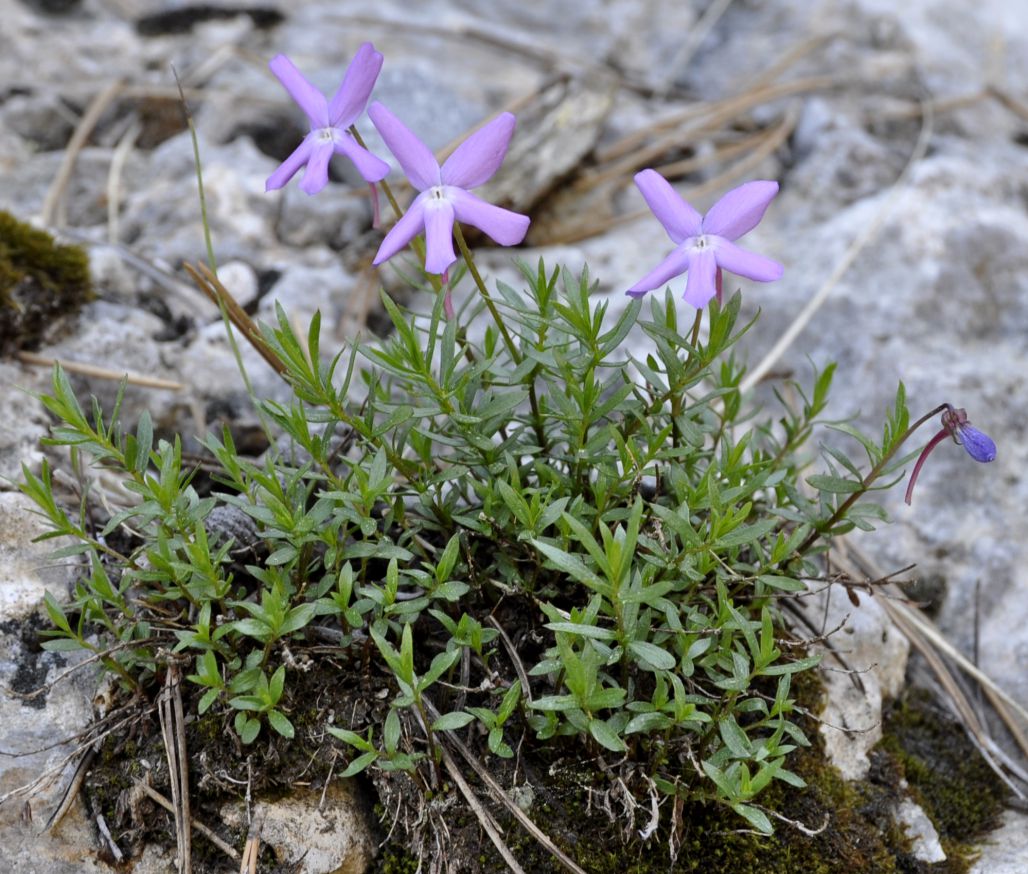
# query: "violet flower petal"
[700,284]
[352,95]
[679,219]
[674,265]
[415,158]
[371,167]
[315,177]
[504,226]
[980,446]
[475,160]
[307,97]
[408,227]
[740,210]
[287,169]
[742,262]
[439,253]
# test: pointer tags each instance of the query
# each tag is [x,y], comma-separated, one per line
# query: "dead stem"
[31,358]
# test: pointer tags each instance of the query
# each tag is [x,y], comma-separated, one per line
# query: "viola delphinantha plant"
[541,541]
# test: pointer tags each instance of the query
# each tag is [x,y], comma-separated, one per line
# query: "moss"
[39,281]
[946,774]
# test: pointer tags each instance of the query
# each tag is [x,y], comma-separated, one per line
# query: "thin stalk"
[865,483]
[470,261]
[515,354]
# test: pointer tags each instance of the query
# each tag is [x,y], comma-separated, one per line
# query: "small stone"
[922,834]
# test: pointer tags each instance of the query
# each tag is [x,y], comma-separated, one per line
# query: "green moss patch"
[40,280]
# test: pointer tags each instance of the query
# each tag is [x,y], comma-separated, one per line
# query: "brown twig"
[72,792]
[490,825]
[211,286]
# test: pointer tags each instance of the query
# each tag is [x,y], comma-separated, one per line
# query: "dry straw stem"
[31,358]
[173,731]
[932,644]
[118,159]
[156,796]
[693,40]
[53,204]
[502,797]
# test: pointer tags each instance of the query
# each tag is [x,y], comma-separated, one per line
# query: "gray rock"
[23,423]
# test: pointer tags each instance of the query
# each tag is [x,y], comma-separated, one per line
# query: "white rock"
[27,571]
[919,829]
[1005,851]
[876,653]
[23,422]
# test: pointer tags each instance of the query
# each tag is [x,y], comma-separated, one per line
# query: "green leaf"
[654,656]
[571,565]
[297,618]
[784,584]
[281,724]
[834,485]
[278,680]
[209,697]
[735,738]
[792,667]
[360,763]
[606,736]
[755,816]
[747,533]
[391,733]
[648,722]
[452,721]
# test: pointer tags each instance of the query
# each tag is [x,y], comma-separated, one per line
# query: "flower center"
[701,243]
[327,135]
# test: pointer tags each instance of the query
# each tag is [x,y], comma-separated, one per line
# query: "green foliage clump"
[39,281]
[531,538]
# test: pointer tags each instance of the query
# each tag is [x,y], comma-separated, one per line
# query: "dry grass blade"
[173,730]
[490,825]
[210,285]
[31,358]
[526,687]
[693,40]
[53,204]
[499,795]
[156,796]
[72,792]
[118,159]
[933,646]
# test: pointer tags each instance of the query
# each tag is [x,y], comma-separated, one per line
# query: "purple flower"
[705,245]
[444,195]
[329,122]
[979,446]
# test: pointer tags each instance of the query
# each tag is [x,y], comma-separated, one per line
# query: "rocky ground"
[900,140]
